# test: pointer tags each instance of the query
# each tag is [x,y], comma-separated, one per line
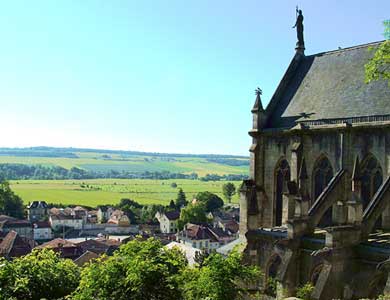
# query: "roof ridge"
[346,49]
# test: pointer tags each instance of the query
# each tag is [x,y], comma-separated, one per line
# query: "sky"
[160,76]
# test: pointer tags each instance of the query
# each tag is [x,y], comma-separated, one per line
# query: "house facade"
[60,220]
[37,211]
[315,208]
[168,221]
[42,231]
[22,227]
[204,237]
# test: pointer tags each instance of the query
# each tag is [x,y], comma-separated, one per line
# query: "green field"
[135,163]
[109,191]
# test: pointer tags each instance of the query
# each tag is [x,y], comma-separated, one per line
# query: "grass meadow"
[94,192]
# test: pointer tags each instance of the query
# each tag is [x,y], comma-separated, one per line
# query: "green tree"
[228,190]
[181,199]
[192,213]
[379,65]
[211,201]
[218,278]
[41,274]
[172,205]
[10,203]
[139,270]
[148,212]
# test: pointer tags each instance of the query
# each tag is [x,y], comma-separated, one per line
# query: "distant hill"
[79,163]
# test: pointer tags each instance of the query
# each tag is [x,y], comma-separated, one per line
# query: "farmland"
[105,161]
[109,191]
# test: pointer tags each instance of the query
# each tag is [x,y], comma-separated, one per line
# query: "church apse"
[320,181]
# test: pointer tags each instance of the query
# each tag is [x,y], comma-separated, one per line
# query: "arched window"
[282,177]
[322,175]
[371,178]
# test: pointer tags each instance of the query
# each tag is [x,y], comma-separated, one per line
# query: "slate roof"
[36,204]
[42,224]
[172,215]
[14,223]
[328,85]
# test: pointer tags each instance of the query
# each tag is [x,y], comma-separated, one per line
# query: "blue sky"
[163,75]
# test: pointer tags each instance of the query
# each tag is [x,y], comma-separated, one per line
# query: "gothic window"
[282,177]
[322,175]
[371,178]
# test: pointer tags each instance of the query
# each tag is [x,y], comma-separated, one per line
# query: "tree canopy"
[41,274]
[211,201]
[181,199]
[379,65]
[10,203]
[228,190]
[139,270]
[218,278]
[192,213]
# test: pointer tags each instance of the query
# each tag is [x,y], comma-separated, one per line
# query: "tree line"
[41,172]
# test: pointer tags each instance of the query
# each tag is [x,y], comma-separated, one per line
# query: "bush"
[304,292]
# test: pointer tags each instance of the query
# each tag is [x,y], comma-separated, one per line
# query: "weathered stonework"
[319,183]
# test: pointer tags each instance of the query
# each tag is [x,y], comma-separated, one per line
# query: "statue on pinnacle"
[299,26]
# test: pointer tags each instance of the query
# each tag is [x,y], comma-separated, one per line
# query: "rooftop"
[326,86]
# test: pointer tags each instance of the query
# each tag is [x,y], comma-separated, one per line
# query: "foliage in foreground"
[379,66]
[144,270]
[38,275]
[138,270]
[218,278]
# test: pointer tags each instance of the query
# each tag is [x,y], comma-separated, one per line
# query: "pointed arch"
[371,176]
[281,178]
[321,176]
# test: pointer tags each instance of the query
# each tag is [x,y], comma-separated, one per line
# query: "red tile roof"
[13,245]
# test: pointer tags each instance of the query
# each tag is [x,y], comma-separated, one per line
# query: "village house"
[80,213]
[168,221]
[13,245]
[65,248]
[104,213]
[22,227]
[42,230]
[204,237]
[99,246]
[119,218]
[37,211]
[65,221]
[316,207]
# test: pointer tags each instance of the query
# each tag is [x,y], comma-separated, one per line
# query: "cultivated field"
[109,191]
[134,163]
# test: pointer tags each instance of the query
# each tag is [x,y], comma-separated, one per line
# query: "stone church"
[316,207]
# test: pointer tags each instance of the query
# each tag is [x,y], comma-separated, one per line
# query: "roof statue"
[299,26]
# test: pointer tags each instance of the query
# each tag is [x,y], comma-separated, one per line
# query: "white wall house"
[168,221]
[42,231]
[203,237]
[59,221]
